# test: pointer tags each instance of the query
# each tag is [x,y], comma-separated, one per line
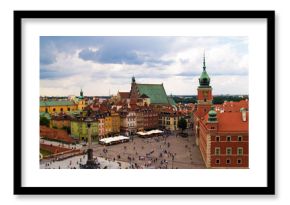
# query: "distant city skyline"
[104,65]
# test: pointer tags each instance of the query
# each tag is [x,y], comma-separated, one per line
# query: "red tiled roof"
[198,113]
[120,104]
[234,106]
[124,95]
[103,109]
[95,107]
[231,122]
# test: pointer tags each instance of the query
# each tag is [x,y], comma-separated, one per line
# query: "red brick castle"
[222,137]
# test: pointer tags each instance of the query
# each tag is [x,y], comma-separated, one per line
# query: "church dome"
[212,115]
[204,79]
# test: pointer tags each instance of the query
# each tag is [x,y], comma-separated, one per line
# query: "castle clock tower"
[204,92]
[204,100]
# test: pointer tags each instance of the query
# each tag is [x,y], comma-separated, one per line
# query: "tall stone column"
[90,150]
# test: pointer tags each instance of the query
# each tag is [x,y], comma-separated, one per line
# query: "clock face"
[205,93]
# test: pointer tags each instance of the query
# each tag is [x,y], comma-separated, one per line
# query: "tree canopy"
[217,99]
[44,121]
[182,124]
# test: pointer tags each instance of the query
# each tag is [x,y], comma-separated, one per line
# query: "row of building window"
[229,138]
[229,151]
[167,118]
[61,109]
[228,161]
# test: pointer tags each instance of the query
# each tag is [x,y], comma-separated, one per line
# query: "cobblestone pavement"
[165,152]
[157,152]
[74,163]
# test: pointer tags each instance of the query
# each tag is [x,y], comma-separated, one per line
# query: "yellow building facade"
[174,122]
[52,107]
[81,104]
[59,124]
[116,122]
[79,130]
[169,121]
[108,125]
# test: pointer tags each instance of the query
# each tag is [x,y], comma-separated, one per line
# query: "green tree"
[44,121]
[66,128]
[182,124]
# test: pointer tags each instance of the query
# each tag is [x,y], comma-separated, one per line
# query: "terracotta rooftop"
[198,113]
[124,95]
[231,122]
[231,106]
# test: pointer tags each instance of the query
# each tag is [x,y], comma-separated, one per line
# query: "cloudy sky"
[102,65]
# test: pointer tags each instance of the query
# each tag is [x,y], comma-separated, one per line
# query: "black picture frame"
[19,189]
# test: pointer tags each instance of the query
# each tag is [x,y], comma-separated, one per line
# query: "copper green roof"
[204,79]
[171,101]
[55,103]
[212,115]
[212,112]
[155,92]
[204,75]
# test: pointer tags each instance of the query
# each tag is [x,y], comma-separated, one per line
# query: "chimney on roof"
[244,115]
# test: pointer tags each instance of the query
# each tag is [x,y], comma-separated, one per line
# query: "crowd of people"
[166,151]
[143,153]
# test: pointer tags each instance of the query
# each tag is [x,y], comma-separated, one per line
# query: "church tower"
[81,94]
[204,92]
[133,93]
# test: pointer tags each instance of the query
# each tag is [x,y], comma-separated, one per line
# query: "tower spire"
[204,79]
[81,94]
[204,67]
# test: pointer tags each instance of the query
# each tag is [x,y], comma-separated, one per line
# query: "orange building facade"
[224,139]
